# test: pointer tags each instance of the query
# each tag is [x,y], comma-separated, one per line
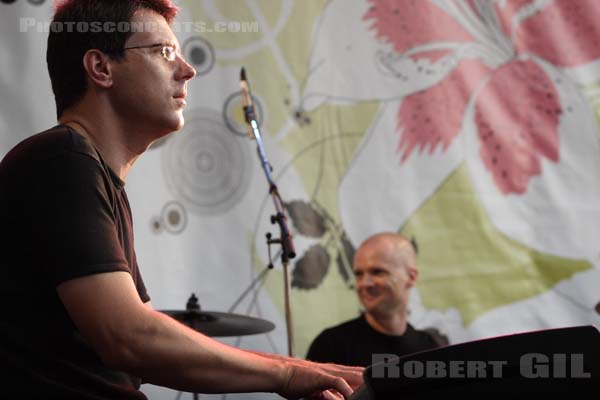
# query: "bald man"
[385,268]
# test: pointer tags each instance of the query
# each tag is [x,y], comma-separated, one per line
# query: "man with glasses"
[79,322]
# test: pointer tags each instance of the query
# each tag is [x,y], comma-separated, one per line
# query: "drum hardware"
[218,324]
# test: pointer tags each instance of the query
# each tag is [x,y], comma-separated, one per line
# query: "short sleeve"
[72,219]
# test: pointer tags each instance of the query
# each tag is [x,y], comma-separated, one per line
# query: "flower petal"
[554,211]
[434,116]
[349,64]
[410,23]
[565,32]
[517,115]
[507,11]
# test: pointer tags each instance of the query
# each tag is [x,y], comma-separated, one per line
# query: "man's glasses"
[168,52]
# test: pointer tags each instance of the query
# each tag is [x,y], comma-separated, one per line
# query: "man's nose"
[186,71]
[365,281]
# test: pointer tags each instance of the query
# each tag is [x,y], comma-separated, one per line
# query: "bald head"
[385,269]
[393,247]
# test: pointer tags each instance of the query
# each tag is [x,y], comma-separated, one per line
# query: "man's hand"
[321,381]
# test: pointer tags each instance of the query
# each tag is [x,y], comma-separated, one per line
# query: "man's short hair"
[81,25]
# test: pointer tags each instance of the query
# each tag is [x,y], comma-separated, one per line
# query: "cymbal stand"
[285,238]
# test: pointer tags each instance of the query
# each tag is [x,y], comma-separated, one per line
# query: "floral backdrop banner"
[471,126]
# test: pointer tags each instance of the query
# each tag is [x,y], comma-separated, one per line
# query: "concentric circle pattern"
[233,113]
[206,168]
[174,217]
[198,52]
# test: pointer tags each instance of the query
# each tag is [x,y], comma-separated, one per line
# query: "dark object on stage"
[216,324]
[565,360]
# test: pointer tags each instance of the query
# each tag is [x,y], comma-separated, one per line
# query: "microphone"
[248,108]
[285,239]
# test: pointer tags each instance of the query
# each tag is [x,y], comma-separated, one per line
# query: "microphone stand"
[285,238]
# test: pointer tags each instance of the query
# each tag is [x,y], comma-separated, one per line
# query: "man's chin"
[370,306]
[173,121]
[180,122]
[175,124]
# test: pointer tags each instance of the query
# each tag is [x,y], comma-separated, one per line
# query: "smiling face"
[385,270]
[148,90]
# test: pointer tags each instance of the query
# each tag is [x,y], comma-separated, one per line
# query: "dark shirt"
[64,214]
[354,342]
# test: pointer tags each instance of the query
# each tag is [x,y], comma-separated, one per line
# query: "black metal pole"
[285,239]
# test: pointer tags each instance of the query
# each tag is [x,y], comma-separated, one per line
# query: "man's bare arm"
[128,335]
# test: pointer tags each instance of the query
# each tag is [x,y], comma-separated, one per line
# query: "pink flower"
[517,107]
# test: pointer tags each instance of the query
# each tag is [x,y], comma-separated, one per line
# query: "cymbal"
[214,323]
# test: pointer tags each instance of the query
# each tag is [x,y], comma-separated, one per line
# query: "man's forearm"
[131,337]
[168,353]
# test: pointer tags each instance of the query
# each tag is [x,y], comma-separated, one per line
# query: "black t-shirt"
[63,214]
[354,342]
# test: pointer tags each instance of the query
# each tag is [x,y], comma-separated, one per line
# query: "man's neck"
[109,141]
[389,324]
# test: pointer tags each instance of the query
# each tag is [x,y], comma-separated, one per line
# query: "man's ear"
[98,68]
[413,275]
